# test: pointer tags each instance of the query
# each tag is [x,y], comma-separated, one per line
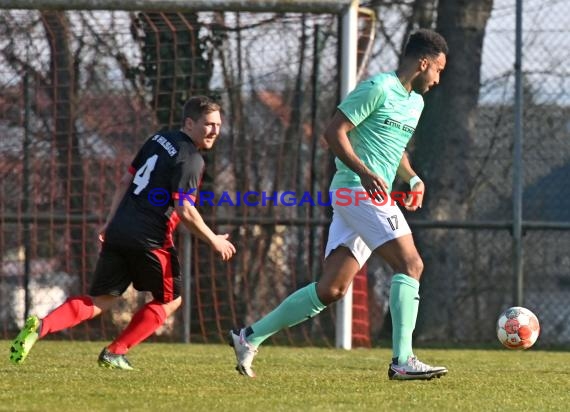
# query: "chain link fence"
[81,91]
[89,88]
[469,264]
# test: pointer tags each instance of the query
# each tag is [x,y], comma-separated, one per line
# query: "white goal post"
[293,6]
[348,74]
[347,9]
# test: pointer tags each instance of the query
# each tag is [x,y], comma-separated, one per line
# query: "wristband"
[414,180]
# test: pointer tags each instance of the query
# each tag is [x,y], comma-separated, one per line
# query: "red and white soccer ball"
[518,328]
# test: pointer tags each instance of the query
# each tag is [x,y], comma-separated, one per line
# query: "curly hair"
[425,43]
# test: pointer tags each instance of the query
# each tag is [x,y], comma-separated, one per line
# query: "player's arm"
[417,188]
[405,171]
[336,135]
[120,191]
[188,175]
[193,221]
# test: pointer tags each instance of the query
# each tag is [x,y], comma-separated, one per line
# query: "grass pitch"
[64,376]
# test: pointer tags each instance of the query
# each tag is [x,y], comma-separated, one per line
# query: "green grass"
[64,376]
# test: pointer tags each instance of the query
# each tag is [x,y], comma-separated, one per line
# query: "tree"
[64,88]
[177,62]
[444,138]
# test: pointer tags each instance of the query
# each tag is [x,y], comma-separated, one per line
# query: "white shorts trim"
[362,226]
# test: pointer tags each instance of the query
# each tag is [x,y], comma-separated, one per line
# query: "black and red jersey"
[167,164]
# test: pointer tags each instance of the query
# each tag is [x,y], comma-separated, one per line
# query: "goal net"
[82,90]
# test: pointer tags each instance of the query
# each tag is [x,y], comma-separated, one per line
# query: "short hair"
[198,106]
[425,43]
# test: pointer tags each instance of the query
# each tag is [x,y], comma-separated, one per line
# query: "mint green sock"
[296,308]
[404,302]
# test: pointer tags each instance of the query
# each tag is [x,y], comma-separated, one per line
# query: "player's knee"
[172,306]
[331,294]
[414,267]
[177,303]
[102,303]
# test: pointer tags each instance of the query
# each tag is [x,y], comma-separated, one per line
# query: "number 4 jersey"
[166,167]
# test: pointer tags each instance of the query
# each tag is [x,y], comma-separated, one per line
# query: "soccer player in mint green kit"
[368,135]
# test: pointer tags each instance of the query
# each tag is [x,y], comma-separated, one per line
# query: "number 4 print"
[393,222]
[142,177]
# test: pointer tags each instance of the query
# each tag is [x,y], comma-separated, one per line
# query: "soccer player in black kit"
[151,199]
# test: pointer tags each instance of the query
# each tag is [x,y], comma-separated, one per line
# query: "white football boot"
[414,369]
[244,352]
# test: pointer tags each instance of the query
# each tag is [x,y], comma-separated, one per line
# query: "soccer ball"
[518,328]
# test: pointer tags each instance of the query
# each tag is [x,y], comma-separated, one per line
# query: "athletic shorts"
[362,226]
[156,271]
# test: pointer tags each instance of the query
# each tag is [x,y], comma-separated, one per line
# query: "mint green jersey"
[385,116]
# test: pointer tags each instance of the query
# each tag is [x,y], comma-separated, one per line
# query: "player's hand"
[374,185]
[101,233]
[223,246]
[415,197]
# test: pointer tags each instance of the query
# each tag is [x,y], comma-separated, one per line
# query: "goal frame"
[300,6]
[347,10]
